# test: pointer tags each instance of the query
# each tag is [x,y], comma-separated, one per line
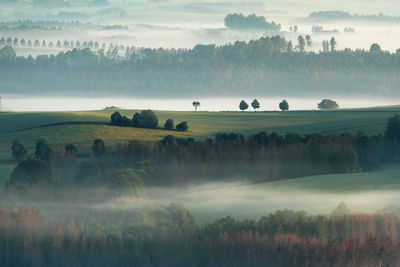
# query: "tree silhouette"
[243,105]
[196,104]
[333,44]
[302,43]
[255,104]
[284,105]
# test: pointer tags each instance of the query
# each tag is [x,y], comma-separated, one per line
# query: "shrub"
[328,104]
[116,119]
[169,124]
[182,127]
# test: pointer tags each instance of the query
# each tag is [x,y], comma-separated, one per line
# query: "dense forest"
[264,67]
[284,238]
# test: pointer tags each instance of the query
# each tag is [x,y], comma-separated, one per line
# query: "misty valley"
[199,133]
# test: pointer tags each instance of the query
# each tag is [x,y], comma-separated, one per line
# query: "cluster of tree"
[240,21]
[146,119]
[264,67]
[316,29]
[284,238]
[284,105]
[328,104]
[227,156]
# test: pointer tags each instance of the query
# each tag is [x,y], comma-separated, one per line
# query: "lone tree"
[243,105]
[333,44]
[328,104]
[301,43]
[308,40]
[393,128]
[196,104]
[182,127]
[284,105]
[169,124]
[98,148]
[18,150]
[255,104]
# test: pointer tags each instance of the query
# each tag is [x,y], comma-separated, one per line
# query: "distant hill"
[335,15]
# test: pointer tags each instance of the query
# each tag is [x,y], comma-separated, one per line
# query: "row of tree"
[146,119]
[178,161]
[284,105]
[58,44]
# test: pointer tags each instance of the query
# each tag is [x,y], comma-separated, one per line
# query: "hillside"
[81,128]
[320,194]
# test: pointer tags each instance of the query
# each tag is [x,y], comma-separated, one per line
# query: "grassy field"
[317,194]
[81,128]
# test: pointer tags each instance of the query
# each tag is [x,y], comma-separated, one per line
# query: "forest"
[284,238]
[265,67]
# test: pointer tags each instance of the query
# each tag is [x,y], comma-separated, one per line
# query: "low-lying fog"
[209,202]
[27,103]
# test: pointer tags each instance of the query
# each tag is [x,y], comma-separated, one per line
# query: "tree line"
[146,119]
[173,161]
[261,67]
[283,238]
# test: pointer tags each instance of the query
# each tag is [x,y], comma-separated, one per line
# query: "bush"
[182,127]
[116,119]
[169,124]
[328,104]
[145,119]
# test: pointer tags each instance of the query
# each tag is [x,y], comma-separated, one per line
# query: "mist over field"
[199,133]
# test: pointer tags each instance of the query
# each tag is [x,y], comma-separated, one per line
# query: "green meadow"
[214,201]
[81,128]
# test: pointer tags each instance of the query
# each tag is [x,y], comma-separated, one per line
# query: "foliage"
[43,150]
[284,105]
[168,236]
[196,104]
[182,127]
[147,119]
[264,67]
[243,105]
[328,104]
[169,124]
[255,104]
[239,21]
[116,119]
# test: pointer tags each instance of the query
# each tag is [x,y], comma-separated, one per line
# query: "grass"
[246,201]
[316,194]
[81,128]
